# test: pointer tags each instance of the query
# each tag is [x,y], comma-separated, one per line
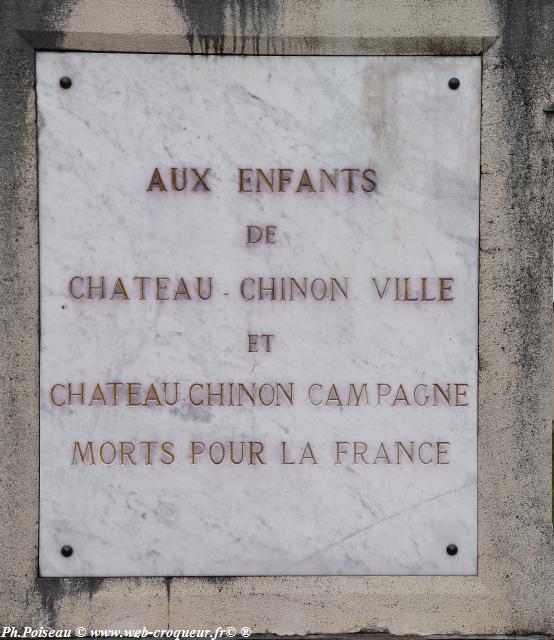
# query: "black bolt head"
[451,549]
[454,83]
[67,551]
[65,82]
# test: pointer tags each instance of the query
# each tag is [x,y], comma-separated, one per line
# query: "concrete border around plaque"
[513,589]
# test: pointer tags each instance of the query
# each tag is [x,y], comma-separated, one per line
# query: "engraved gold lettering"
[142,280]
[382,292]
[382,455]
[383,390]
[244,180]
[461,392]
[161,288]
[126,450]
[350,173]
[197,449]
[182,290]
[407,297]
[284,454]
[156,182]
[115,386]
[442,452]
[242,291]
[119,290]
[174,184]
[92,288]
[256,452]
[340,451]
[72,291]
[98,395]
[203,295]
[231,453]
[418,398]
[216,453]
[88,455]
[308,454]
[132,394]
[201,179]
[424,291]
[357,395]
[58,404]
[305,182]
[152,396]
[313,386]
[368,176]
[149,444]
[441,392]
[113,452]
[401,396]
[429,460]
[409,454]
[361,453]
[445,287]
[268,181]
[330,180]
[79,394]
[168,457]
[284,178]
[165,385]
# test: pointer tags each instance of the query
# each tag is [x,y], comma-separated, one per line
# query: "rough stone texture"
[514,591]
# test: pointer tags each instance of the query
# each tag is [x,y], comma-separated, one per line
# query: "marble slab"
[305,404]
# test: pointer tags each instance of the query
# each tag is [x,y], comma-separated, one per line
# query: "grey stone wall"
[514,590]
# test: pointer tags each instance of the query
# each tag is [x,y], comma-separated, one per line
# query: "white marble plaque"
[303,403]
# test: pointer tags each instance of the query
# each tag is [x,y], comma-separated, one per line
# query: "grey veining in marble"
[337,512]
